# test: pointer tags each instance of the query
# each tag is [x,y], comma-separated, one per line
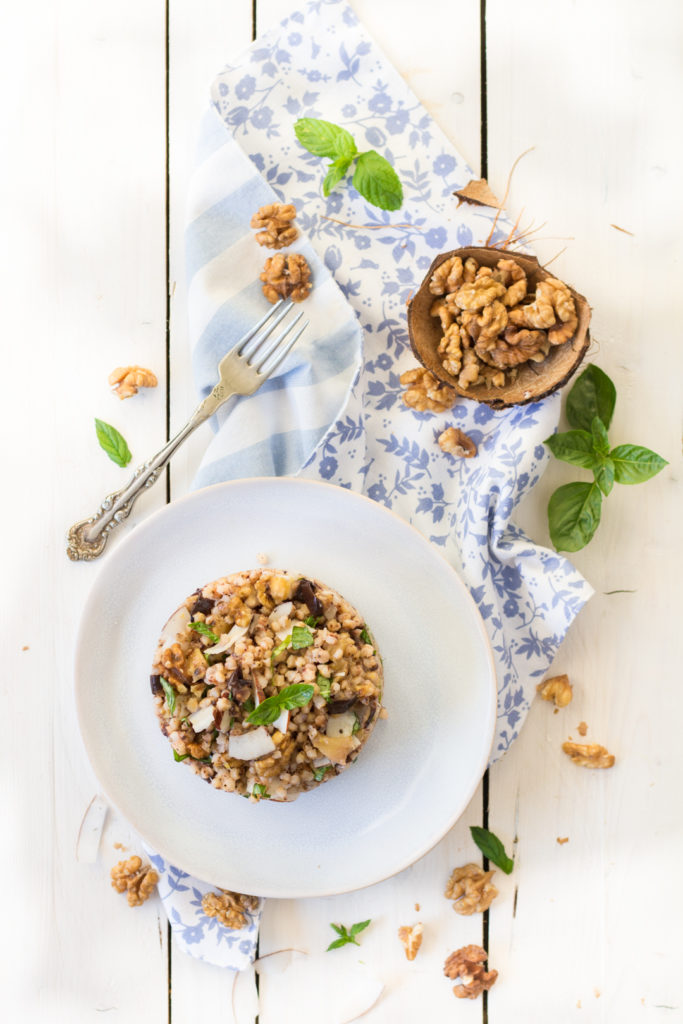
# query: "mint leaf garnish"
[179,757]
[295,696]
[201,627]
[112,443]
[301,637]
[170,694]
[260,790]
[324,685]
[323,138]
[377,181]
[347,935]
[492,848]
[318,773]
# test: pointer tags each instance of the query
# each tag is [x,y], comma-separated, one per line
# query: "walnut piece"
[411,937]
[455,442]
[588,755]
[558,689]
[229,908]
[425,393]
[125,380]
[447,277]
[137,880]
[274,222]
[472,889]
[286,277]
[583,728]
[467,964]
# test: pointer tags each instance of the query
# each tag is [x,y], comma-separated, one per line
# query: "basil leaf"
[170,694]
[634,464]
[312,620]
[366,636]
[492,848]
[179,757]
[260,790]
[301,637]
[249,705]
[361,926]
[574,446]
[377,181]
[282,646]
[201,627]
[600,438]
[112,443]
[318,774]
[356,726]
[324,685]
[323,138]
[295,696]
[592,395]
[574,515]
[604,475]
[335,173]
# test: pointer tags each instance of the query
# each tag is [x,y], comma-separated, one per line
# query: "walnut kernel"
[467,965]
[274,222]
[471,889]
[125,380]
[455,442]
[558,689]
[588,755]
[229,908]
[286,277]
[411,937]
[425,393]
[131,877]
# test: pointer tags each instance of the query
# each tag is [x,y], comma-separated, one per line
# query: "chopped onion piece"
[341,725]
[201,719]
[176,624]
[250,745]
[227,640]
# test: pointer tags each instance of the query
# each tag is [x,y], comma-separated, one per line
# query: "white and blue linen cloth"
[335,413]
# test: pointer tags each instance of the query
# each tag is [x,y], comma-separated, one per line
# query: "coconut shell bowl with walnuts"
[496,327]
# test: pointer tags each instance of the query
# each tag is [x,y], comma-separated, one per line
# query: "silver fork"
[241,372]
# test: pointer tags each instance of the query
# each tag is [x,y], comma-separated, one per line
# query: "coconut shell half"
[534,380]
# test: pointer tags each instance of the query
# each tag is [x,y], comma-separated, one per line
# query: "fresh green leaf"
[201,627]
[604,475]
[634,464]
[295,696]
[323,138]
[249,705]
[574,515]
[377,181]
[356,726]
[318,773]
[312,620]
[112,443]
[324,685]
[301,637]
[260,790]
[366,636]
[179,757]
[335,173]
[170,694]
[347,936]
[492,848]
[592,395]
[575,446]
[282,646]
[600,438]
[204,760]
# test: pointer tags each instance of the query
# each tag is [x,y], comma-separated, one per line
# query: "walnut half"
[467,964]
[588,755]
[411,937]
[558,689]
[286,277]
[424,392]
[454,441]
[229,907]
[125,380]
[471,889]
[131,877]
[274,222]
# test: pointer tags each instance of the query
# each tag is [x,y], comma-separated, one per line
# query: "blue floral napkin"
[336,412]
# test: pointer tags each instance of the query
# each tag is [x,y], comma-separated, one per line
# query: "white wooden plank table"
[101,104]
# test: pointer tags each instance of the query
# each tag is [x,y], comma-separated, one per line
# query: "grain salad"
[266,683]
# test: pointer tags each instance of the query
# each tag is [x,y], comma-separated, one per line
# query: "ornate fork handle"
[87,538]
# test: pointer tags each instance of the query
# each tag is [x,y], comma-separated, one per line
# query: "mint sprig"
[295,696]
[113,443]
[492,848]
[373,177]
[574,510]
[347,936]
[201,627]
[170,694]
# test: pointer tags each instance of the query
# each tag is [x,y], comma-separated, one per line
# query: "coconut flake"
[341,725]
[307,982]
[280,616]
[250,745]
[282,720]
[227,640]
[478,193]
[201,719]
[176,624]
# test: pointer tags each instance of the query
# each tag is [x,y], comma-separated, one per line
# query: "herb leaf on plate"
[295,696]
[492,848]
[170,694]
[201,627]
[113,443]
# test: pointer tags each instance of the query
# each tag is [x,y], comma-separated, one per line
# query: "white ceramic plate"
[420,766]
